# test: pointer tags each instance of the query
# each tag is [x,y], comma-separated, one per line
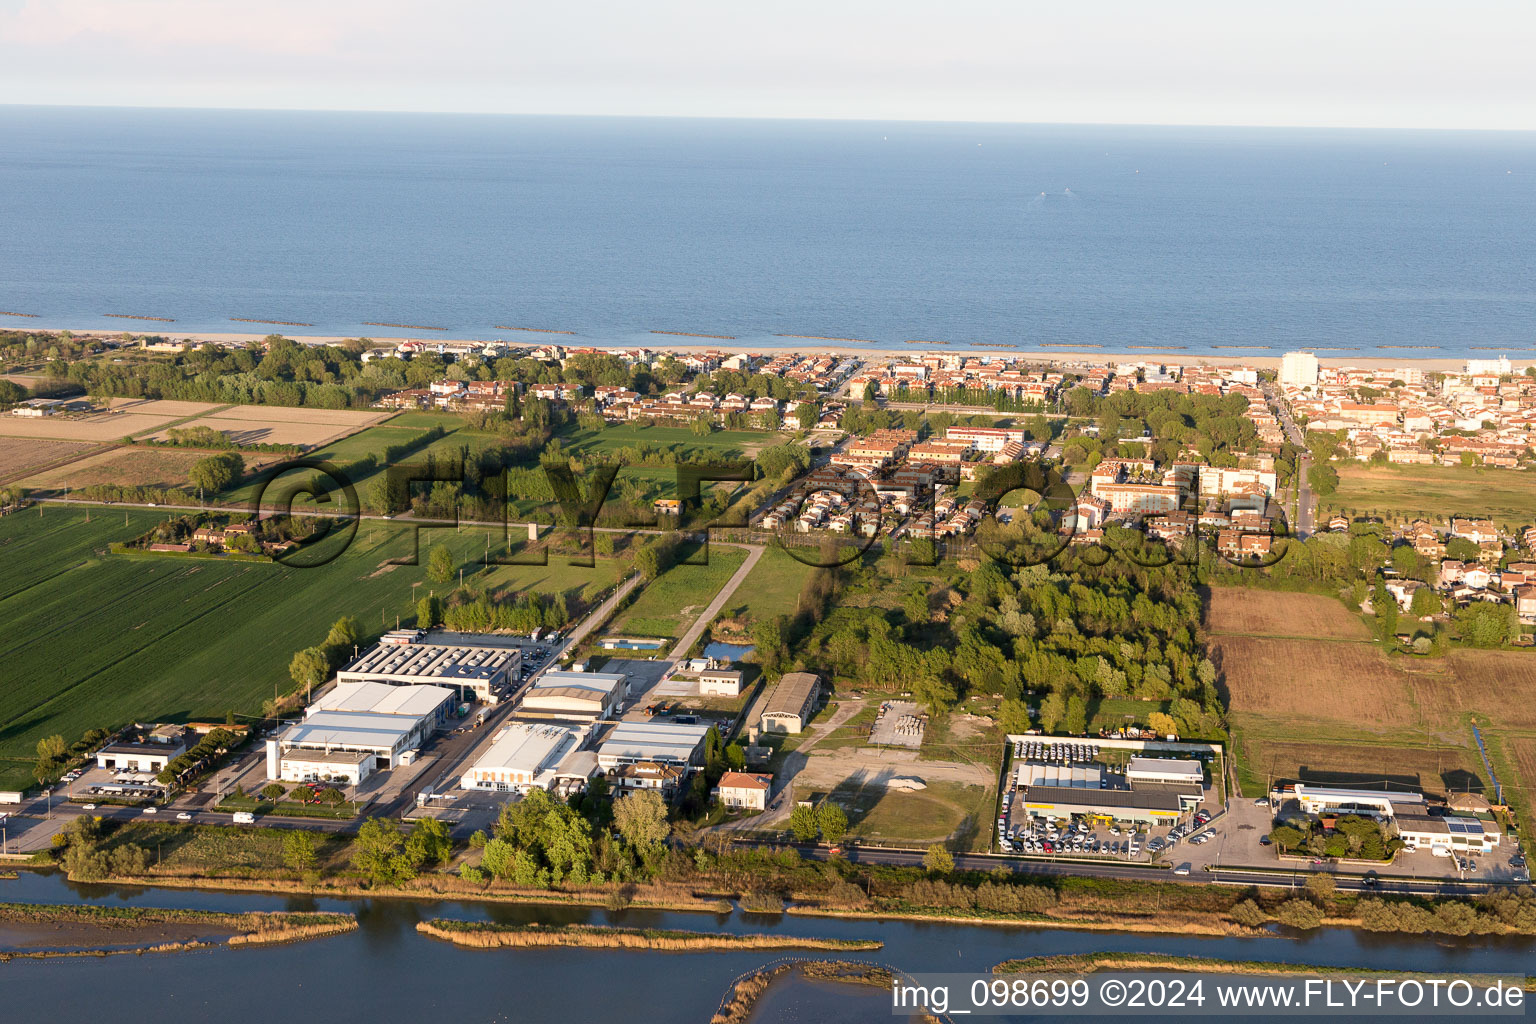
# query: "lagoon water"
[386,971]
[974,234]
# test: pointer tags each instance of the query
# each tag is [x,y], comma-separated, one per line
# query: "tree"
[272,792]
[378,853]
[1052,710]
[50,752]
[429,844]
[1321,886]
[938,860]
[1162,724]
[803,824]
[1287,837]
[429,611]
[1323,479]
[641,818]
[344,633]
[1249,914]
[1076,720]
[300,850]
[310,667]
[440,565]
[1425,603]
[217,472]
[833,822]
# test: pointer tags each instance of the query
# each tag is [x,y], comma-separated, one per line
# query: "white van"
[244,818]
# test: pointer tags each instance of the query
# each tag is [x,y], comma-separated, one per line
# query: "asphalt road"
[1305,525]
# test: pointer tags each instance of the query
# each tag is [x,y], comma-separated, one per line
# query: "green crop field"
[1507,496]
[95,639]
[667,607]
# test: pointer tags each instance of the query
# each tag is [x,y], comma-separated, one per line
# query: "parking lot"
[1091,767]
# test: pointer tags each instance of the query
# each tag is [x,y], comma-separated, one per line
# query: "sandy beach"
[1074,356]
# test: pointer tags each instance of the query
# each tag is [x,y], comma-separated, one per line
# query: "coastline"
[691,342]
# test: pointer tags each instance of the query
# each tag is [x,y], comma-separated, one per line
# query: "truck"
[244,818]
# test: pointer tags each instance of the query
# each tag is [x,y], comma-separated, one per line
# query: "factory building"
[525,756]
[572,697]
[1451,834]
[477,673]
[1148,803]
[662,743]
[355,729]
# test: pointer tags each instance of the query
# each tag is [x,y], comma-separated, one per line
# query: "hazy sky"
[1407,63]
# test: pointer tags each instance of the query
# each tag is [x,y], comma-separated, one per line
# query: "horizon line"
[1275,126]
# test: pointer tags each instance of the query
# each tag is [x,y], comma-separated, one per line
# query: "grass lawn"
[102,640]
[943,812]
[720,444]
[1504,495]
[668,606]
[773,587]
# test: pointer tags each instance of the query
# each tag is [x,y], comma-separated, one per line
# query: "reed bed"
[488,935]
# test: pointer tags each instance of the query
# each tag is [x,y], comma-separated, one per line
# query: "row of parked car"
[1055,751]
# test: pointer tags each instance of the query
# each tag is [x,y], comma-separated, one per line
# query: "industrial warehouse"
[526,756]
[572,697]
[356,729]
[792,702]
[668,743]
[477,673]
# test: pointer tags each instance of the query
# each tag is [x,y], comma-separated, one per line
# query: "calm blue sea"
[965,233]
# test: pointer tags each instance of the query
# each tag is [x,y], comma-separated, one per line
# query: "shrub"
[1249,914]
[1299,913]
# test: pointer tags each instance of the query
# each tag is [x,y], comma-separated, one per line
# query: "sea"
[1082,239]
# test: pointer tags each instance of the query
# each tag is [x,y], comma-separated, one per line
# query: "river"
[386,971]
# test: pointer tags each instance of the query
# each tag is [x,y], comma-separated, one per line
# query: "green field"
[371,441]
[949,812]
[1507,496]
[95,639]
[722,444]
[667,607]
[773,587]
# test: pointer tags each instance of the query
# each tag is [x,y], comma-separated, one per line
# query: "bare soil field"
[1523,750]
[18,456]
[1277,613]
[1437,771]
[289,414]
[1342,711]
[1345,685]
[160,406]
[134,466]
[262,424]
[95,426]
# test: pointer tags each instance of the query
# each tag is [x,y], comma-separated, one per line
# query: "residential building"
[744,791]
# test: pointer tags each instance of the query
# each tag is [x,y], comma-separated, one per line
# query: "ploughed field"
[1332,709]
